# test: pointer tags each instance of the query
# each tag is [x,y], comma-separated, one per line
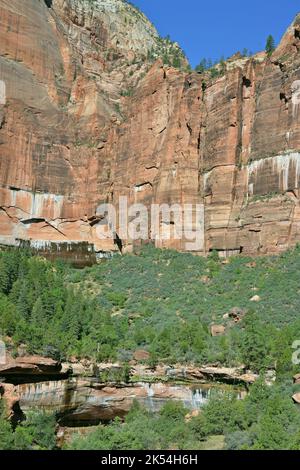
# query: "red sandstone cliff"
[89,117]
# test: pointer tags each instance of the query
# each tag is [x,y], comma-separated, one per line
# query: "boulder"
[255,298]
[296,398]
[248,378]
[237,314]
[296,379]
[217,330]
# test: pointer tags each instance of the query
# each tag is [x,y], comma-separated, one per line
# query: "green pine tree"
[270,45]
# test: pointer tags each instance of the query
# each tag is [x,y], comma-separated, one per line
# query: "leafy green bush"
[36,433]
[142,430]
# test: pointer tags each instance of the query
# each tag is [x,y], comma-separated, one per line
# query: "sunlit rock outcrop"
[92,114]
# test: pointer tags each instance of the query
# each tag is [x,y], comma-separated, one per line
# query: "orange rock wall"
[89,119]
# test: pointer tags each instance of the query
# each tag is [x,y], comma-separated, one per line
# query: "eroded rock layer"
[78,394]
[92,114]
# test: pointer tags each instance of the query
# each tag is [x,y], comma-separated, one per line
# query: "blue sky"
[211,29]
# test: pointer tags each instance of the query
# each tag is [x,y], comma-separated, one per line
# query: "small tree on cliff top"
[270,45]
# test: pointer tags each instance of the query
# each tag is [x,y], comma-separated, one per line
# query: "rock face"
[11,398]
[80,396]
[87,402]
[91,115]
[31,368]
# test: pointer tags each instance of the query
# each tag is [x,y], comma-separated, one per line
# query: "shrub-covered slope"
[161,301]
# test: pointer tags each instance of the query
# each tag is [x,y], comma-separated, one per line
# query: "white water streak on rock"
[281,165]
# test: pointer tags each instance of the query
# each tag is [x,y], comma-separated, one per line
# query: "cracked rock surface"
[89,117]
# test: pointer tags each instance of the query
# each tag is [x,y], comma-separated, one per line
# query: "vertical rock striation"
[92,114]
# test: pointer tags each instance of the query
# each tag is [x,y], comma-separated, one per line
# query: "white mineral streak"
[282,165]
[295,98]
[42,201]
[39,204]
